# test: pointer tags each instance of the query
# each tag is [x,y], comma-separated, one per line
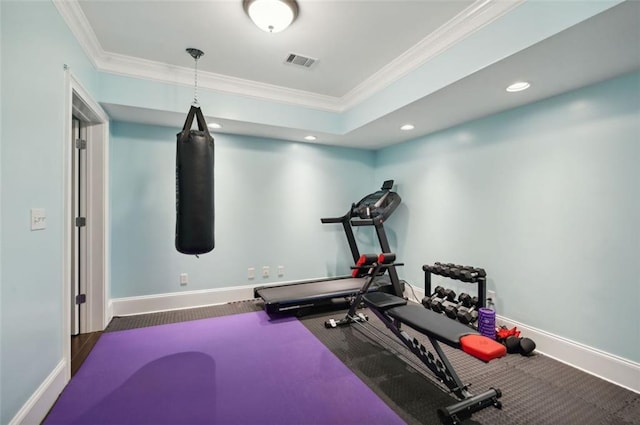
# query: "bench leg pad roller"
[456,413]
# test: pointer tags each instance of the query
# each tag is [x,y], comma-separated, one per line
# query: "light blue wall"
[35,44]
[546,225]
[269,198]
[546,197]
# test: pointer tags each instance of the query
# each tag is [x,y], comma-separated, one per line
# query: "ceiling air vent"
[300,60]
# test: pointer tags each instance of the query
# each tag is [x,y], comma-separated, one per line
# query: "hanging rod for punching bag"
[195,212]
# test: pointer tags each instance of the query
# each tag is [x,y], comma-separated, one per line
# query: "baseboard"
[186,299]
[609,367]
[178,300]
[41,401]
[109,312]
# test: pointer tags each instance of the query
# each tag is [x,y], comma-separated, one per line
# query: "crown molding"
[470,20]
[77,22]
[118,64]
[478,15]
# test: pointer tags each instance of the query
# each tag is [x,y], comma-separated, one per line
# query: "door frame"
[78,102]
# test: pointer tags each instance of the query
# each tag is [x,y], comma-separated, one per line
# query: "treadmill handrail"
[344,219]
[346,225]
[332,220]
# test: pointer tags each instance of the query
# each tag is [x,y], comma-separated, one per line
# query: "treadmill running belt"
[310,291]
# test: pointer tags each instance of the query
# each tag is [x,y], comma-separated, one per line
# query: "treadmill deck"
[305,294]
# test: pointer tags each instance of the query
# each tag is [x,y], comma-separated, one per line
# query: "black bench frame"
[383,305]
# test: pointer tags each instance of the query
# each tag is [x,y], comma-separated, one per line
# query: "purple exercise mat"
[239,369]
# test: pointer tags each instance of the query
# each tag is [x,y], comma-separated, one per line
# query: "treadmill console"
[380,204]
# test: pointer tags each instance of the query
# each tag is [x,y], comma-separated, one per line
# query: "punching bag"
[194,187]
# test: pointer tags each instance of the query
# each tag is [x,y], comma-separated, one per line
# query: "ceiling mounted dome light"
[271,15]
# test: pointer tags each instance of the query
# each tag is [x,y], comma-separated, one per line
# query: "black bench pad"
[432,324]
[382,300]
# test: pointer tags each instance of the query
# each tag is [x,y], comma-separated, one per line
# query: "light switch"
[38,219]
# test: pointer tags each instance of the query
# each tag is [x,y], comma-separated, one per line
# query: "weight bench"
[395,311]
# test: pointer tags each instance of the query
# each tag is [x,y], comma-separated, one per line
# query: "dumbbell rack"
[480,281]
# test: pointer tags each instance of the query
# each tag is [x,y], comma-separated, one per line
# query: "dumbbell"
[466,273]
[467,311]
[451,270]
[437,293]
[456,272]
[471,274]
[439,269]
[452,310]
[439,304]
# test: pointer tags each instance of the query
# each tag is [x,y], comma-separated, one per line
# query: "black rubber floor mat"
[394,379]
[121,323]
[536,389]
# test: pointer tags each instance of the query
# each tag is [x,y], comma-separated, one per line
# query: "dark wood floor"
[81,346]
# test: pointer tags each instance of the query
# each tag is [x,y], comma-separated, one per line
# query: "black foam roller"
[195,212]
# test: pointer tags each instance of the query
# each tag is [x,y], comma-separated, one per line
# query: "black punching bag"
[194,187]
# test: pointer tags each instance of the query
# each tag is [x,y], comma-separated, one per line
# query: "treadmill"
[372,210]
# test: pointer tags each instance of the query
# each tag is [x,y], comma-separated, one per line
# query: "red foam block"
[482,347]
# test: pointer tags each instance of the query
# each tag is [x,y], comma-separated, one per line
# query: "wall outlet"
[184,278]
[280,271]
[265,272]
[491,298]
[251,273]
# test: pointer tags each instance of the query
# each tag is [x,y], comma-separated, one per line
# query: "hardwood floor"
[81,346]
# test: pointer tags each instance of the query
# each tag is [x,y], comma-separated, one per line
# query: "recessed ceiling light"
[407,127]
[518,86]
[214,125]
[310,138]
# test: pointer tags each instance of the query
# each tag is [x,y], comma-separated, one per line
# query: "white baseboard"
[178,300]
[41,401]
[109,313]
[609,367]
[186,299]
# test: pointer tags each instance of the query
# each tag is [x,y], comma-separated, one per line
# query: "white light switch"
[38,219]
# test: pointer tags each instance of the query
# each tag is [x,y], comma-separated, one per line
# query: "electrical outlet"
[280,271]
[265,272]
[184,278]
[251,273]
[491,298]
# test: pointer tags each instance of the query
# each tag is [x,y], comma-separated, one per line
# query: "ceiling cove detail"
[476,16]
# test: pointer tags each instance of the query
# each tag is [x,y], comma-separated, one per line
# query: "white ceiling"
[361,47]
[351,39]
